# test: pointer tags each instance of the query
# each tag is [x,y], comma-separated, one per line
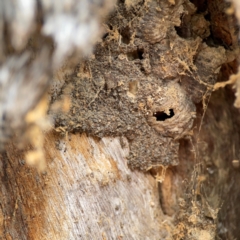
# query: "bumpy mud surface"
[144,79]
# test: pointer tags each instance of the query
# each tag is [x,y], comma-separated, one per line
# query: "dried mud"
[144,79]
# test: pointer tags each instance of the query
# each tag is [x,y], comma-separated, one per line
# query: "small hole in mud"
[105,36]
[142,69]
[137,54]
[126,35]
[200,4]
[183,31]
[162,116]
[208,17]
[213,41]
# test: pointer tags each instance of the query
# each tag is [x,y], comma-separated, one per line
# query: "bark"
[139,146]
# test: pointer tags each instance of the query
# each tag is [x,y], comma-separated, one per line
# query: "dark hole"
[142,69]
[179,31]
[140,53]
[208,17]
[137,54]
[184,30]
[162,116]
[213,41]
[126,35]
[200,4]
[105,35]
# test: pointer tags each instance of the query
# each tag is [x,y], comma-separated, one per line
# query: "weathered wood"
[86,192]
[146,86]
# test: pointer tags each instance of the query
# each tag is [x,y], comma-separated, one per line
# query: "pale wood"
[87,192]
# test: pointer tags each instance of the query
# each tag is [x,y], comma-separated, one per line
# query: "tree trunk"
[86,192]
[140,147]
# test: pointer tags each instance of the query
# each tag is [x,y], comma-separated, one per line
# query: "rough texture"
[87,192]
[146,86]
[142,82]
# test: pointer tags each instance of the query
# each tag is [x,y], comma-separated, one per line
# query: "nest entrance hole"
[162,116]
[136,54]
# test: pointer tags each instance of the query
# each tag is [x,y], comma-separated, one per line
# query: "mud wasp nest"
[172,114]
